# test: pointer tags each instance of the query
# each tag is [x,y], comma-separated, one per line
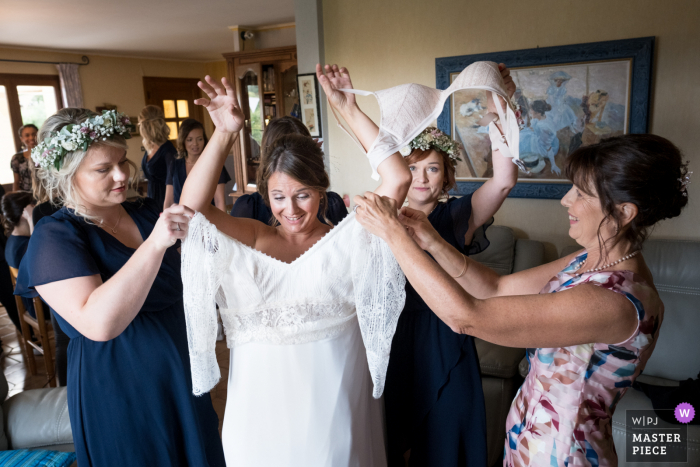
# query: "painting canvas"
[570,96]
[563,108]
[307,85]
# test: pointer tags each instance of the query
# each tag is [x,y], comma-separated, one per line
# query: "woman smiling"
[590,320]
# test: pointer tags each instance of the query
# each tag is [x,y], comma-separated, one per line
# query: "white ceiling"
[180,29]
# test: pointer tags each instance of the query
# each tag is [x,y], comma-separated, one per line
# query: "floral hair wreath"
[432,138]
[53,149]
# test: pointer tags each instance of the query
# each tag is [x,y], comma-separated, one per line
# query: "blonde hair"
[153,127]
[58,185]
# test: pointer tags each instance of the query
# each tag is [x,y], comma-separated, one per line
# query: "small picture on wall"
[563,108]
[310,120]
[307,85]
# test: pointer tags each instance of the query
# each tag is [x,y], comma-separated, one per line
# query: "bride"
[309,310]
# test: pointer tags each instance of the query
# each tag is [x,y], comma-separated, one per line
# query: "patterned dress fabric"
[20,166]
[562,413]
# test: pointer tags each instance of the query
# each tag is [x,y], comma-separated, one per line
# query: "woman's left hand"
[509,85]
[378,214]
[222,105]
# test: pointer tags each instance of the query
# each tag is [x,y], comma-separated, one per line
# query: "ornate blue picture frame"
[638,53]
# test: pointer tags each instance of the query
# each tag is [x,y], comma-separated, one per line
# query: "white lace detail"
[289,324]
[408,109]
[380,296]
[315,297]
[204,259]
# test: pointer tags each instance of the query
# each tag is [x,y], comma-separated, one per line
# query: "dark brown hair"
[186,128]
[448,169]
[13,205]
[300,158]
[644,170]
[279,127]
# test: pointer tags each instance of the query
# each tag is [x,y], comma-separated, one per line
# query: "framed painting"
[570,96]
[307,85]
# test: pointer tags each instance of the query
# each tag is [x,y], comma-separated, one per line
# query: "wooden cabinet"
[266,86]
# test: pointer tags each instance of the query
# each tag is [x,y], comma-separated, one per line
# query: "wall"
[113,80]
[387,43]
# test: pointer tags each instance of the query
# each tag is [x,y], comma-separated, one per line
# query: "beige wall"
[113,80]
[392,42]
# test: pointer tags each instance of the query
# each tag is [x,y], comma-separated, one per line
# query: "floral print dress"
[20,166]
[562,413]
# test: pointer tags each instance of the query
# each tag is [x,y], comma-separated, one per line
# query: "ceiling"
[175,29]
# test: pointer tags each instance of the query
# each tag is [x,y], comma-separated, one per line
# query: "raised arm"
[202,181]
[531,320]
[394,172]
[491,195]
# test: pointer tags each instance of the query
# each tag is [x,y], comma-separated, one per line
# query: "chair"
[42,326]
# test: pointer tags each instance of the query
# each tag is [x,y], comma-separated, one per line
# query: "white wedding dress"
[309,340]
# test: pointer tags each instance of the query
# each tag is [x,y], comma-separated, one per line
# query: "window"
[175,96]
[24,99]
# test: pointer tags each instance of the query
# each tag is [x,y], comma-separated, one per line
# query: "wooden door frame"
[11,81]
[149,82]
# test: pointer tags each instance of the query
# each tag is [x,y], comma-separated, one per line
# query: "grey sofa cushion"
[675,266]
[496,360]
[38,418]
[500,254]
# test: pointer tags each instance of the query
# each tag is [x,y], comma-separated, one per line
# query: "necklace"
[624,258]
[114,230]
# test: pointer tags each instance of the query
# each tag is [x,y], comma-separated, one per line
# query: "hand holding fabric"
[171,227]
[332,79]
[378,214]
[419,227]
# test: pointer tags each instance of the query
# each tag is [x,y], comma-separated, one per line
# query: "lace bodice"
[348,273]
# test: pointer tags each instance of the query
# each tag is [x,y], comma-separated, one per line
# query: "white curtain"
[71,89]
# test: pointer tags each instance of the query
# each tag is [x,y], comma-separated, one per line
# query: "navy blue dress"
[253,207]
[433,395]
[177,174]
[156,171]
[130,398]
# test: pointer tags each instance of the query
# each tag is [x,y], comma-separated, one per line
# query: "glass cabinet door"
[251,100]
[290,94]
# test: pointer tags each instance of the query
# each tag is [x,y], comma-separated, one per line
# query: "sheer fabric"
[349,274]
[408,109]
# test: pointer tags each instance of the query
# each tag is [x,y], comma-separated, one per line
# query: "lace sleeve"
[206,254]
[380,295]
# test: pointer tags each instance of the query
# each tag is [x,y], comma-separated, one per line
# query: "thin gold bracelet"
[463,270]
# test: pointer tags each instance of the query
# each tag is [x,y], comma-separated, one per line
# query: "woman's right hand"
[332,80]
[222,105]
[419,227]
[171,227]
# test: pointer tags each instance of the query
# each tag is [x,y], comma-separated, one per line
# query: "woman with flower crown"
[110,270]
[433,396]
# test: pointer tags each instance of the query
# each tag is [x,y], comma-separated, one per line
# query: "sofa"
[35,419]
[675,266]
[500,378]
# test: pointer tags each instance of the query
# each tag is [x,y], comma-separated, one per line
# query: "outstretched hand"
[509,85]
[222,104]
[333,79]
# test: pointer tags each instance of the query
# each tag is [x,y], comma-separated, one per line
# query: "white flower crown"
[432,138]
[53,149]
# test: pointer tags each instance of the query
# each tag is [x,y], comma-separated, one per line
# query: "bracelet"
[463,270]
